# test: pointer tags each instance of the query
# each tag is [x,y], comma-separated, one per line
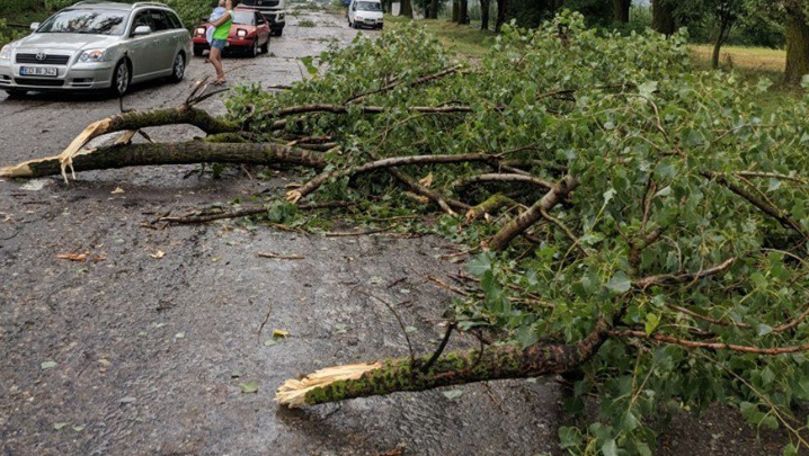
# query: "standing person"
[221,23]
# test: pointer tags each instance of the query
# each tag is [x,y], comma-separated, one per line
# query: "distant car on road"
[97,45]
[250,33]
[365,13]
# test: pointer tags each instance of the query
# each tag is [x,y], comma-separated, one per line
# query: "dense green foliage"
[640,129]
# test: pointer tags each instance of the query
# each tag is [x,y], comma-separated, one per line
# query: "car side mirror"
[34,26]
[142,30]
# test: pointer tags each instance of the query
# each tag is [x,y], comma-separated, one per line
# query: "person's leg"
[216,61]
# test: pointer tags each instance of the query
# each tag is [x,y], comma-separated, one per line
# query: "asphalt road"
[142,354]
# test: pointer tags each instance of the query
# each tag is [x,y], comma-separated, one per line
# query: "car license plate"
[50,72]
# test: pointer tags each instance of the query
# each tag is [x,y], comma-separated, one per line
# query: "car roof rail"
[138,4]
[89,2]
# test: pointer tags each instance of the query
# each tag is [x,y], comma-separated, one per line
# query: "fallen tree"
[636,225]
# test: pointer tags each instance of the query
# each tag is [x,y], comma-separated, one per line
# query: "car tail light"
[200,31]
[241,33]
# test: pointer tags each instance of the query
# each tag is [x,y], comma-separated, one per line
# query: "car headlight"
[200,31]
[241,33]
[92,56]
[5,52]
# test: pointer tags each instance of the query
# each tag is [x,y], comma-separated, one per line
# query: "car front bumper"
[79,76]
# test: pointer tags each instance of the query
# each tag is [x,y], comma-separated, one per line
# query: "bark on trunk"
[620,10]
[520,223]
[484,14]
[663,16]
[797,37]
[433,12]
[407,9]
[121,156]
[401,374]
[463,14]
[456,9]
[502,12]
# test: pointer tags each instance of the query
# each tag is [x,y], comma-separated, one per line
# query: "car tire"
[16,94]
[198,52]
[253,51]
[178,68]
[121,77]
[278,33]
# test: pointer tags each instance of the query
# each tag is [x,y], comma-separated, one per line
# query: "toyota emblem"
[40,56]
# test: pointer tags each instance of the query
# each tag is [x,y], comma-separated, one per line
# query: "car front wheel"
[178,69]
[254,49]
[120,79]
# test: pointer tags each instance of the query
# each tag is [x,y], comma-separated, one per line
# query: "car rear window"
[88,21]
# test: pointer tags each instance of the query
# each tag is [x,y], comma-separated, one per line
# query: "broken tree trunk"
[121,156]
[127,122]
[403,374]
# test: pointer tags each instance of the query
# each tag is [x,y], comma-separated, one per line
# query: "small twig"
[426,367]
[563,227]
[441,284]
[711,345]
[685,277]
[266,319]
[401,323]
[279,256]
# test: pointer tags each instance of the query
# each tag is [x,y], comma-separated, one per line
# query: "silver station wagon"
[97,45]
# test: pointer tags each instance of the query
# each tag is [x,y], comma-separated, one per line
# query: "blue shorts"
[219,44]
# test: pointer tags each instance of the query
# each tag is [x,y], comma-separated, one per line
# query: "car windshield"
[369,6]
[95,22]
[243,17]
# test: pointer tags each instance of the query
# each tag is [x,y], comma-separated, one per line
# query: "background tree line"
[767,23]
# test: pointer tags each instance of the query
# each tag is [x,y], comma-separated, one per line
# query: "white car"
[365,13]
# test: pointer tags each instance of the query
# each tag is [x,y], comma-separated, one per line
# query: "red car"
[250,33]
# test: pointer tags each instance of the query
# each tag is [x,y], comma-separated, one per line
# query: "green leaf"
[790,450]
[619,283]
[652,322]
[609,448]
[249,387]
[480,264]
[763,329]
[453,394]
[647,88]
[569,437]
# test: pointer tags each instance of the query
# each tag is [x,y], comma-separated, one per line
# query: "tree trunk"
[620,10]
[663,17]
[502,12]
[456,9]
[404,374]
[484,14]
[797,37]
[406,9]
[433,13]
[463,15]
[724,32]
[121,156]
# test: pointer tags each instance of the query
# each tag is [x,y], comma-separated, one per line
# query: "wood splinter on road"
[277,256]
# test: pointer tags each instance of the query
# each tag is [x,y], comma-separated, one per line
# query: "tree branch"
[517,225]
